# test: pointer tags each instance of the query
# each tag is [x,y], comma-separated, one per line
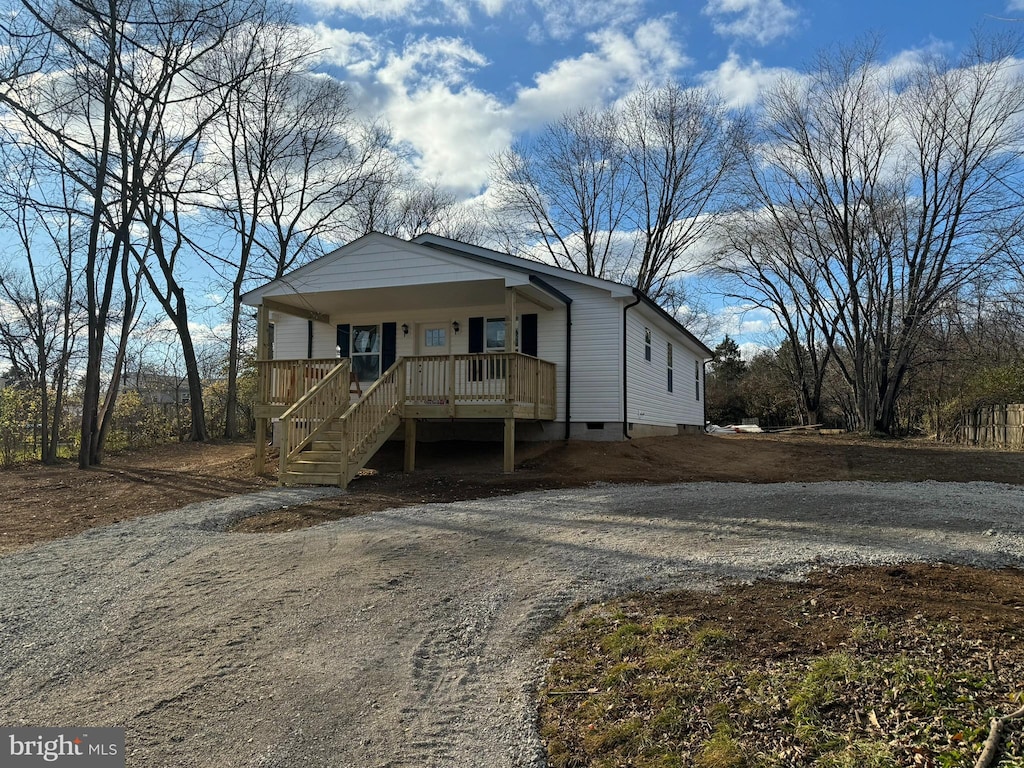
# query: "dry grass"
[865,668]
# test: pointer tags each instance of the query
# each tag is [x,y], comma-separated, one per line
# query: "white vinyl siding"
[596,352]
[291,337]
[649,400]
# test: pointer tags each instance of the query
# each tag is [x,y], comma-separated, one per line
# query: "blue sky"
[458,80]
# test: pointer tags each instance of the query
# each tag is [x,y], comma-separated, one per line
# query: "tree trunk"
[199,432]
[231,399]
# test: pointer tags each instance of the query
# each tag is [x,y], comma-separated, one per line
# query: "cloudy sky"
[459,79]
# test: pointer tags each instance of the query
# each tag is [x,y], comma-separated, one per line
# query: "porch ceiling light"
[405,329]
[455,325]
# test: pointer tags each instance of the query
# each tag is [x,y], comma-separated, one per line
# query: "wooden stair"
[323,462]
[343,442]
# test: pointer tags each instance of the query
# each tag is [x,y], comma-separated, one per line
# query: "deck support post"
[263,387]
[410,445]
[510,446]
[259,462]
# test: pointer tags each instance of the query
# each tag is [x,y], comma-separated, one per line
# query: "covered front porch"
[403,334]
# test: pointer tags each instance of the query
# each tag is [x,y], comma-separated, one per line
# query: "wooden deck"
[330,428]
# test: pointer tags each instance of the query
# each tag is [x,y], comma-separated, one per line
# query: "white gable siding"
[649,401]
[380,264]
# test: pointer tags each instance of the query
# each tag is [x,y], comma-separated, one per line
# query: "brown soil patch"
[41,503]
[459,471]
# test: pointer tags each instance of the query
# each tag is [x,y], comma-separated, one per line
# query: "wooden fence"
[994,425]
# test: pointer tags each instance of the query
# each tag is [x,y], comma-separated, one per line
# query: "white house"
[454,340]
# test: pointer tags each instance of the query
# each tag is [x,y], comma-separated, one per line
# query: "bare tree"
[293,160]
[564,194]
[891,189]
[764,265]
[397,204]
[109,92]
[40,329]
[625,193]
[678,148]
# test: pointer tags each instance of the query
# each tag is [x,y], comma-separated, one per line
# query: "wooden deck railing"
[364,420]
[504,377]
[314,411]
[283,382]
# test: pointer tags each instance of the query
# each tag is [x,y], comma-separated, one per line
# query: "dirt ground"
[411,637]
[41,503]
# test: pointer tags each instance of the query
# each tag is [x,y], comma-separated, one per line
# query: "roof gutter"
[625,357]
[550,289]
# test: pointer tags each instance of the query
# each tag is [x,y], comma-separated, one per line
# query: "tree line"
[872,208]
[142,137]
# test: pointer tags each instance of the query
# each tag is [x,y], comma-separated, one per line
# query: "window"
[494,341]
[647,344]
[669,354]
[494,336]
[696,377]
[366,352]
[434,337]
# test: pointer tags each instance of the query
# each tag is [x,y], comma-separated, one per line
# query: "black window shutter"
[309,338]
[528,334]
[388,346]
[476,335]
[669,379]
[345,339]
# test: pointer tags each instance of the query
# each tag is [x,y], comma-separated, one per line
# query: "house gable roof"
[419,265]
[534,267]
[446,260]
[486,255]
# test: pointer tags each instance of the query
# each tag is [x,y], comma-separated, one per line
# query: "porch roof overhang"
[322,305]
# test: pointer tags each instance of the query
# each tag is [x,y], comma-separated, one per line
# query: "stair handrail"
[355,439]
[319,405]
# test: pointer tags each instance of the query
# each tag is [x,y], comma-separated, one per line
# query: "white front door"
[431,381]
[433,339]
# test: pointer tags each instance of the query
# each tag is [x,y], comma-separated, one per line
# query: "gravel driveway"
[408,637]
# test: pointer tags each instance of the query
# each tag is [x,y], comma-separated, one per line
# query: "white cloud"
[357,52]
[759,20]
[751,349]
[617,62]
[556,19]
[452,127]
[1015,5]
[453,133]
[427,60]
[743,321]
[370,9]
[741,85]
[564,18]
